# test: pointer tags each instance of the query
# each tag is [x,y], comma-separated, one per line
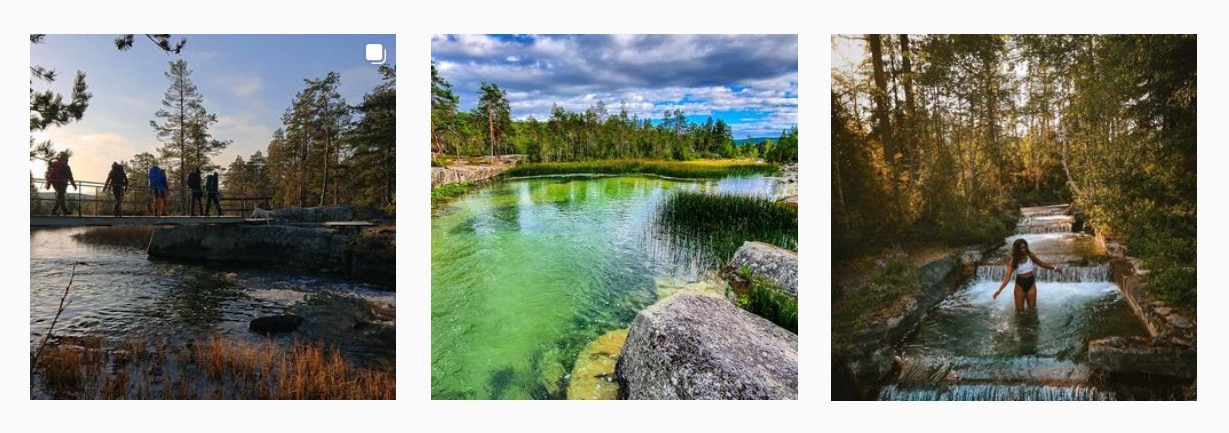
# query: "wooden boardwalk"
[74,221]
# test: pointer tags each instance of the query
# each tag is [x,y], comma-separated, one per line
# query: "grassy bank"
[699,169]
[886,286]
[92,368]
[443,193]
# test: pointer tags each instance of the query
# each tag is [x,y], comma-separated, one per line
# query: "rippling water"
[526,272]
[974,347]
[120,293]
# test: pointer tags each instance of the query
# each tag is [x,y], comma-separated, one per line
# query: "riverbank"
[92,368]
[697,169]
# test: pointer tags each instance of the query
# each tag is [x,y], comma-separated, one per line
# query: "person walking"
[117,181]
[59,175]
[194,185]
[157,188]
[211,192]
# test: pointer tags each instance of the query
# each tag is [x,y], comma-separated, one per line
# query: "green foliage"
[599,132]
[896,278]
[767,301]
[686,170]
[443,193]
[786,149]
[370,173]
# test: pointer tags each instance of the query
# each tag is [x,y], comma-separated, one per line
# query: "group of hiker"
[59,176]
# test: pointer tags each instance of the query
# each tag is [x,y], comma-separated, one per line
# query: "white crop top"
[1026,267]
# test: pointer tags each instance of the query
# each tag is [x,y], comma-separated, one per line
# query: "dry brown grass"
[120,236]
[216,368]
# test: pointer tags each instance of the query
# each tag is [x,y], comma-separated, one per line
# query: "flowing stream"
[119,293]
[971,347]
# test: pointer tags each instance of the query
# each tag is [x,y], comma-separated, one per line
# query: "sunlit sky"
[248,81]
[749,81]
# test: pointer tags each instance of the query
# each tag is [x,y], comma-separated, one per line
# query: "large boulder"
[693,346]
[289,246]
[775,264]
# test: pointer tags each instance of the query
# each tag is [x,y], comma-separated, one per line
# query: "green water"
[526,272]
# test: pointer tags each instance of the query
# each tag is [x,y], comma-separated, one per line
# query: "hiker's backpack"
[55,171]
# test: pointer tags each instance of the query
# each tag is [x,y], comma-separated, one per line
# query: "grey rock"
[778,265]
[692,346]
[458,174]
[1139,355]
[296,247]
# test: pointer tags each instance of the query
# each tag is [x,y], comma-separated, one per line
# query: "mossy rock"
[594,372]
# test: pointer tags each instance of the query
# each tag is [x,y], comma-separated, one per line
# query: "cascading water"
[973,347]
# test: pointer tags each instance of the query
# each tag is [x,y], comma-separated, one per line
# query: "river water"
[120,293]
[525,273]
[973,347]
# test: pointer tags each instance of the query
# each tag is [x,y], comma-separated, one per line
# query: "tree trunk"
[881,103]
[490,123]
[910,125]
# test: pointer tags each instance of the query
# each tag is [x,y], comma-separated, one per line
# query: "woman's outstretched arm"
[1006,278]
[1043,264]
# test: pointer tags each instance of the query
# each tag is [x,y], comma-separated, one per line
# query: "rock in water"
[692,346]
[275,324]
[593,374]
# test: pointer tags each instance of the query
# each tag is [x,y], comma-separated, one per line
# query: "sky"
[749,81]
[248,81]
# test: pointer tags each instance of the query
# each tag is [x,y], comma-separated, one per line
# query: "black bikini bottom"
[1026,283]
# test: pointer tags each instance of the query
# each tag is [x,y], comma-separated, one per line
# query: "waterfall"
[1071,274]
[995,392]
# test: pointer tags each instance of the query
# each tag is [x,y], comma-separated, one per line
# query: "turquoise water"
[526,272]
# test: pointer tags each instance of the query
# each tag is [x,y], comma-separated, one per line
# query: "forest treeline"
[600,132]
[327,151]
[936,137]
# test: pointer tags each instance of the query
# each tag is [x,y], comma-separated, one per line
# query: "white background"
[414,22]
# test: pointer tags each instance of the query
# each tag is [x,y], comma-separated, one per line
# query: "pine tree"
[185,128]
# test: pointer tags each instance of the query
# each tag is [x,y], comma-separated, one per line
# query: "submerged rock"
[593,376]
[275,324]
[692,346]
[1139,355]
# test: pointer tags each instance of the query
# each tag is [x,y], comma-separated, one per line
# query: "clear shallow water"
[526,272]
[120,293]
[973,347]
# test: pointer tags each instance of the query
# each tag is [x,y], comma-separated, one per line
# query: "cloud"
[700,74]
[242,86]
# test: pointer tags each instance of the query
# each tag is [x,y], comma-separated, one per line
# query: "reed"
[716,225]
[699,169]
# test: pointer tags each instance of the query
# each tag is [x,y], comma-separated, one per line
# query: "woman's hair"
[1018,257]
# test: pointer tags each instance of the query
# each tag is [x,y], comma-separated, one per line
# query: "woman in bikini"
[1022,261]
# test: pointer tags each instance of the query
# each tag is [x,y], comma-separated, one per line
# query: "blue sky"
[248,81]
[749,81]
